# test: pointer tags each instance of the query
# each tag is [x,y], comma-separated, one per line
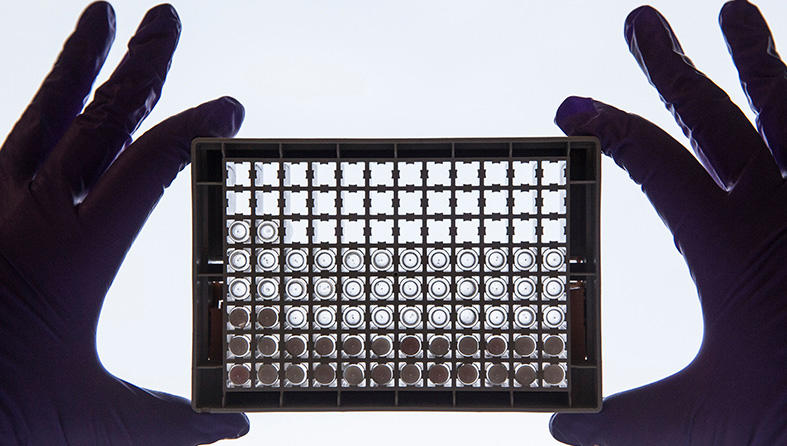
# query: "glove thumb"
[635,416]
[159,417]
[574,428]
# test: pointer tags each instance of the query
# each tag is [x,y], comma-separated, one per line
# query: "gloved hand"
[68,215]
[728,215]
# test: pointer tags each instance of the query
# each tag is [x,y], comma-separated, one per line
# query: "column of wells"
[282,284]
[539,273]
[395,273]
[542,274]
[312,331]
[424,278]
[510,266]
[452,253]
[314,273]
[253,261]
[481,264]
[337,175]
[565,275]
[367,271]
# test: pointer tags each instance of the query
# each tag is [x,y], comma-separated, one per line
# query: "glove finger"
[679,188]
[637,416]
[62,94]
[117,207]
[762,73]
[703,110]
[157,418]
[120,105]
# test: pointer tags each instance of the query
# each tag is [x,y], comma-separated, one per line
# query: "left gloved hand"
[68,215]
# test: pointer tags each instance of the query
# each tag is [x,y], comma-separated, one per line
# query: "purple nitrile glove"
[69,211]
[728,215]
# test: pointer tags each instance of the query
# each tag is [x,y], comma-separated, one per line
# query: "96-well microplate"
[407,274]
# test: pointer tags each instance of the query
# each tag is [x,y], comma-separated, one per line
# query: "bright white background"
[396,69]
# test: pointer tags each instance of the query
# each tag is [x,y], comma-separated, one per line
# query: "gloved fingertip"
[223,117]
[740,14]
[237,425]
[159,18]
[227,425]
[100,7]
[646,26]
[245,426]
[97,14]
[163,11]
[562,428]
[574,113]
[736,7]
[238,108]
[654,45]
[632,19]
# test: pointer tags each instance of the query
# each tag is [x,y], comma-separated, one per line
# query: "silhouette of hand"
[74,193]
[728,216]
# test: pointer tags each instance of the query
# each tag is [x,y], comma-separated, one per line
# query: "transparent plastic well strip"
[396,273]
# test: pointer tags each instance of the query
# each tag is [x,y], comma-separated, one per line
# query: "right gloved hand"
[728,215]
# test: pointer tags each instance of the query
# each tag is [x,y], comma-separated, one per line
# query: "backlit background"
[395,69]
